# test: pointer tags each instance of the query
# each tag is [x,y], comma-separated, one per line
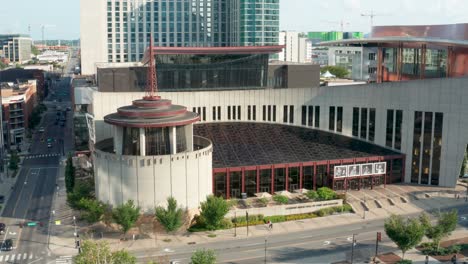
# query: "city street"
[31,198]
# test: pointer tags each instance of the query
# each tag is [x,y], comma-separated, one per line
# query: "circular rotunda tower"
[153,155]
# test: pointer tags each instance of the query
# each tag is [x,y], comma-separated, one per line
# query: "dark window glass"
[416,147]
[339,119]
[321,177]
[265,180]
[220,184]
[317,117]
[285,114]
[238,112]
[291,114]
[219,112]
[356,121]
[131,141]
[398,127]
[269,113]
[204,113]
[331,119]
[280,179]
[235,184]
[310,116]
[274,113]
[234,112]
[389,133]
[308,177]
[364,123]
[397,171]
[158,141]
[254,112]
[437,148]
[293,179]
[264,113]
[181,139]
[251,182]
[304,115]
[371,124]
[229,113]
[427,139]
[214,112]
[248,112]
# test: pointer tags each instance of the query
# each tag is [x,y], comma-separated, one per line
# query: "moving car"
[7,245]
[41,129]
[49,145]
[465,176]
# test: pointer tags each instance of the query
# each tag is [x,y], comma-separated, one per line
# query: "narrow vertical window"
[398,127]
[364,123]
[356,121]
[331,119]
[285,114]
[416,146]
[304,115]
[291,114]
[372,124]
[317,117]
[339,119]
[310,118]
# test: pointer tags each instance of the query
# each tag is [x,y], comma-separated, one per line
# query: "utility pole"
[352,248]
[377,240]
[247,219]
[235,224]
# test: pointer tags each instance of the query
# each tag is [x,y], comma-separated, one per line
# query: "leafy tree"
[338,71]
[34,50]
[82,189]
[93,209]
[69,175]
[126,215]
[312,195]
[203,256]
[14,161]
[405,234]
[446,223]
[326,193]
[170,218]
[213,211]
[2,65]
[100,253]
[281,199]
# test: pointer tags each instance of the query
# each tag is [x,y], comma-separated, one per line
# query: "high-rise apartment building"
[120,30]
[296,47]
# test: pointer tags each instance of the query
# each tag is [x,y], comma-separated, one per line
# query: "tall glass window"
[235,182]
[304,115]
[285,114]
[416,147]
[317,116]
[389,134]
[364,123]
[371,124]
[398,127]
[220,184]
[181,139]
[280,179]
[265,180]
[356,121]
[426,159]
[291,114]
[331,119]
[251,182]
[158,141]
[339,119]
[308,177]
[437,148]
[310,116]
[131,141]
[293,179]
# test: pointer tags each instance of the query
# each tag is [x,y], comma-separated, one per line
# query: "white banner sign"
[360,170]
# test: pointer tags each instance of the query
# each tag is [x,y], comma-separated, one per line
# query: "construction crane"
[371,15]
[43,27]
[341,23]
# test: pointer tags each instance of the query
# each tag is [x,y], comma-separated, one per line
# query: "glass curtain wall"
[158,141]
[131,141]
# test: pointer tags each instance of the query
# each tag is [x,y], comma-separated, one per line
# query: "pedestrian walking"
[270,225]
[454,259]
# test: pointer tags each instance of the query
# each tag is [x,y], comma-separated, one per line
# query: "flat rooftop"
[251,144]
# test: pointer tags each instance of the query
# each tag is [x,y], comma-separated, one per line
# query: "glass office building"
[188,23]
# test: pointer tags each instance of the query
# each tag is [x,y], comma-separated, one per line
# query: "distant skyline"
[63,17]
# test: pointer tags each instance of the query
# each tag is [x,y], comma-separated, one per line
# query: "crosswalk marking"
[17,257]
[64,260]
[42,156]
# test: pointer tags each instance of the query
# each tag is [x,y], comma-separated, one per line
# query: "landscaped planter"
[288,209]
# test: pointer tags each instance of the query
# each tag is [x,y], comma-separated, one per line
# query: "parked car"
[465,176]
[7,245]
[41,129]
[49,145]
[2,228]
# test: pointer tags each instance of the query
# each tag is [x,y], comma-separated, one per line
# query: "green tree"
[203,256]
[338,71]
[14,161]
[100,253]
[213,211]
[92,210]
[69,174]
[34,50]
[446,223]
[82,189]
[2,65]
[326,193]
[126,215]
[406,234]
[170,218]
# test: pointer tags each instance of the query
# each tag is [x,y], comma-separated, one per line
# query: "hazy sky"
[62,16]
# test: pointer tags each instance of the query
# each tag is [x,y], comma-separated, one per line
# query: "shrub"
[170,218]
[275,218]
[326,211]
[281,199]
[213,211]
[326,193]
[341,196]
[263,201]
[431,249]
[404,261]
[312,195]
[203,256]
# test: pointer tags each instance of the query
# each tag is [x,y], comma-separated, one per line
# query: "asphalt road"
[31,199]
[314,246]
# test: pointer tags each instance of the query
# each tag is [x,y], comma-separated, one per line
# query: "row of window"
[364,123]
[308,117]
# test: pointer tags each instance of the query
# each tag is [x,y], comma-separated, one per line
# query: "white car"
[465,176]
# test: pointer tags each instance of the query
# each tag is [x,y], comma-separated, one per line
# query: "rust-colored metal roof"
[396,40]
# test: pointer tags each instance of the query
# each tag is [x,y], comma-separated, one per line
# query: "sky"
[62,19]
